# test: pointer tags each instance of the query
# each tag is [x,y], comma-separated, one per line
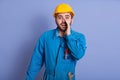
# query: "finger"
[66,23]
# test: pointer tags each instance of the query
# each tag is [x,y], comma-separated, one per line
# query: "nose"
[63,20]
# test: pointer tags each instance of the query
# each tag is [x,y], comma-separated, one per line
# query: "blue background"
[23,21]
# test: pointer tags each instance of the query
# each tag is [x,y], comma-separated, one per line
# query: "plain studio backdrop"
[23,21]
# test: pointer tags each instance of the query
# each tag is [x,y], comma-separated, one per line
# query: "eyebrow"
[67,15]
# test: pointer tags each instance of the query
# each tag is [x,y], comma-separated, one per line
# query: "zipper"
[56,61]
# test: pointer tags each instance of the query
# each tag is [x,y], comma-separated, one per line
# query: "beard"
[62,27]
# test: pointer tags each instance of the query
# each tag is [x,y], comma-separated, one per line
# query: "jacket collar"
[56,33]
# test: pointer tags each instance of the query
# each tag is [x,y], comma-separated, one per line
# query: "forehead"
[63,14]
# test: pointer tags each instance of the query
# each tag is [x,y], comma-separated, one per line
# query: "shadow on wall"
[38,25]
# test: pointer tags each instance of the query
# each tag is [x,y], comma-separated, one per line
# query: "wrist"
[68,33]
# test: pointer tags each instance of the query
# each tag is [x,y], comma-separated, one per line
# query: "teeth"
[63,24]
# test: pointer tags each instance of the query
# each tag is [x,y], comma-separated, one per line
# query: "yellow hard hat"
[63,8]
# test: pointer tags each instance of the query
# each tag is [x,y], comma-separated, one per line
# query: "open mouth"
[63,24]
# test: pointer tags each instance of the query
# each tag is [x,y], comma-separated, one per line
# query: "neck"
[61,33]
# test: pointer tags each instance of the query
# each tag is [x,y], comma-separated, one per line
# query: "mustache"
[64,23]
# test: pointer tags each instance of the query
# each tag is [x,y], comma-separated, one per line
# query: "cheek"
[59,21]
[70,21]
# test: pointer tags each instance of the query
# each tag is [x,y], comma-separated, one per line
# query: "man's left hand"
[67,32]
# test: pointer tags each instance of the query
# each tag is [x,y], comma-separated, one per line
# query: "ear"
[71,21]
[55,20]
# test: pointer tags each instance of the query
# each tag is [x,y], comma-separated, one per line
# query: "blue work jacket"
[51,51]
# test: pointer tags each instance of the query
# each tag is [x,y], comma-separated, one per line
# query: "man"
[58,49]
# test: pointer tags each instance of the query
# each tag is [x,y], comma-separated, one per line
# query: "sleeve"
[77,45]
[37,61]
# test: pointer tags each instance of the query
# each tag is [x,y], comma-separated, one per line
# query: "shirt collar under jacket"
[56,34]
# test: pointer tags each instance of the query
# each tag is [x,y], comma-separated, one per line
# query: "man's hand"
[67,32]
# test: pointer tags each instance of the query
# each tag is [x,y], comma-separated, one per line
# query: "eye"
[59,17]
[67,17]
